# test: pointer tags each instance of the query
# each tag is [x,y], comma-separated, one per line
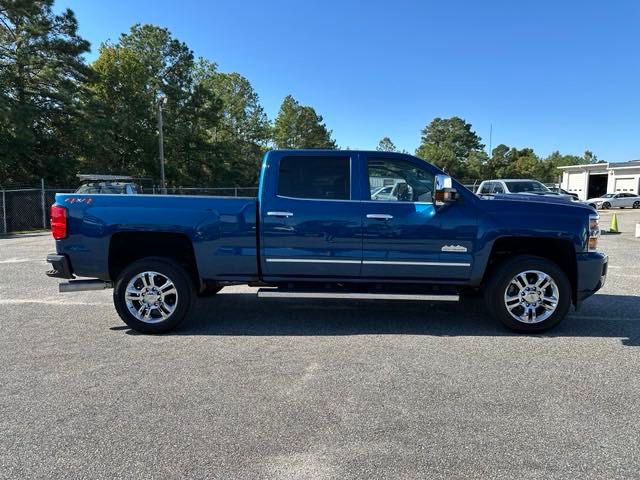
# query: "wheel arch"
[560,251]
[127,247]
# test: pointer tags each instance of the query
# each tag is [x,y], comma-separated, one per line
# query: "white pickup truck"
[489,188]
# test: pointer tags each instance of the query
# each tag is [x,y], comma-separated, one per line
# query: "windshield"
[101,188]
[520,187]
[607,195]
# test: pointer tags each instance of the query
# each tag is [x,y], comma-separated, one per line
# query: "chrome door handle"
[379,216]
[280,214]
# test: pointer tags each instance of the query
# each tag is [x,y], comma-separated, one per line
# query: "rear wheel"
[153,295]
[636,204]
[528,294]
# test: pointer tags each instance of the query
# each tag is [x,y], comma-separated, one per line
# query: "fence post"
[236,191]
[44,204]
[4,212]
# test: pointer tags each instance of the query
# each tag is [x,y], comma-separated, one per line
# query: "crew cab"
[315,232]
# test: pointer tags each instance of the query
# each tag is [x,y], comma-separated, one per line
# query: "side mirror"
[444,192]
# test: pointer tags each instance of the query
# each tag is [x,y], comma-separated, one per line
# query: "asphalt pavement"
[296,389]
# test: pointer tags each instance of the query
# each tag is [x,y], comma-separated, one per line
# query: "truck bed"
[222,230]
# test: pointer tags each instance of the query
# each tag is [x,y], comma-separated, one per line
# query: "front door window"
[408,182]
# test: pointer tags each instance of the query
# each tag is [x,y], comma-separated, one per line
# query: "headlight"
[594,232]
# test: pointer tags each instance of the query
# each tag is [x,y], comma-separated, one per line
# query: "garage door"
[576,182]
[626,184]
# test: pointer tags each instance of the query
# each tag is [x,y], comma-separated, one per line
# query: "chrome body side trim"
[310,260]
[423,264]
[367,262]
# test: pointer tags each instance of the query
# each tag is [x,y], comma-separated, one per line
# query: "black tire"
[606,206]
[181,300]
[501,280]
[636,204]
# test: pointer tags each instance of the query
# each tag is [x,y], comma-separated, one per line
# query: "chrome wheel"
[636,204]
[531,297]
[151,297]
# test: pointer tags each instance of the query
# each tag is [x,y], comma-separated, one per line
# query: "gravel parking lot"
[254,389]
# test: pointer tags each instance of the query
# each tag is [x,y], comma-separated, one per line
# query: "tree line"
[60,115]
[452,145]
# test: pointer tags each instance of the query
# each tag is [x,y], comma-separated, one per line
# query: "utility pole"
[490,138]
[163,184]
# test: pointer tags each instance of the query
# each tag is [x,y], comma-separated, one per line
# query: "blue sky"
[546,74]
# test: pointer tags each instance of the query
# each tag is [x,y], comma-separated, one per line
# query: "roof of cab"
[329,152]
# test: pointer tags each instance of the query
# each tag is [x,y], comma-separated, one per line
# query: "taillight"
[58,222]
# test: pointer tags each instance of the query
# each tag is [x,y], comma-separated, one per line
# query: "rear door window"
[322,178]
[488,188]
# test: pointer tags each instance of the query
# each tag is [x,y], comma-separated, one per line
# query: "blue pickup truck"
[315,232]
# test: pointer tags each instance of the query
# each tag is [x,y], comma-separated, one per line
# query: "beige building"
[593,180]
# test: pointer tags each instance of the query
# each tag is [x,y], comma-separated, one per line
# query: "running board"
[423,297]
[83,286]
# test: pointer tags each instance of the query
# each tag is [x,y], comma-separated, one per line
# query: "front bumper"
[592,274]
[61,266]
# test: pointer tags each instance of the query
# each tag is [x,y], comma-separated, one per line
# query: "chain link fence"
[471,183]
[27,209]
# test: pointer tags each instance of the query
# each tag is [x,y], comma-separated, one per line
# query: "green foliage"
[452,145]
[590,157]
[146,68]
[59,116]
[508,162]
[448,144]
[299,126]
[244,130]
[386,145]
[41,74]
[477,165]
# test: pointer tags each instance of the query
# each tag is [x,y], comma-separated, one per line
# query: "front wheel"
[153,295]
[528,294]
[606,206]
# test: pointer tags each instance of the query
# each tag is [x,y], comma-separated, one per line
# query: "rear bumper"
[61,267]
[592,274]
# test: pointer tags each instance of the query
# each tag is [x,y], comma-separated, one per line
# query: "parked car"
[571,194]
[382,193]
[315,232]
[108,184]
[615,200]
[400,190]
[489,188]
[556,189]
